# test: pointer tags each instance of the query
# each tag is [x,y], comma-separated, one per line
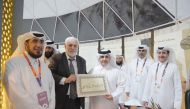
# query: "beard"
[71,54]
[119,63]
[48,54]
[34,55]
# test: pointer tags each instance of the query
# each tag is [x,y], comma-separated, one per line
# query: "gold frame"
[91,85]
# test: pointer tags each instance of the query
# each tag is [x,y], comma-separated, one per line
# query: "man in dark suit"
[64,67]
[187,99]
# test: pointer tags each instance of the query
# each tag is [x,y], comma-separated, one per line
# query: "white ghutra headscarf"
[171,57]
[145,47]
[112,62]
[51,44]
[23,38]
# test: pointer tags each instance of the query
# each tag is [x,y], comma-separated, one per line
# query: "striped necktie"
[73,92]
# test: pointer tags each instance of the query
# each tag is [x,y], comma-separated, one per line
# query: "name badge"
[43,99]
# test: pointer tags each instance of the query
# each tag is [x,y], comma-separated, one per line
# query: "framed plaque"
[91,85]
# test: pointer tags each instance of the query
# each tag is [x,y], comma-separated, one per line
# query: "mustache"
[39,48]
[161,56]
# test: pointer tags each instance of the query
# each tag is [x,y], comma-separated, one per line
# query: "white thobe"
[165,90]
[116,84]
[22,87]
[137,78]
[124,70]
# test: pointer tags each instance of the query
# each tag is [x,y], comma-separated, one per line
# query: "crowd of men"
[39,77]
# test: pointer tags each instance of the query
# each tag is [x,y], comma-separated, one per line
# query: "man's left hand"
[109,97]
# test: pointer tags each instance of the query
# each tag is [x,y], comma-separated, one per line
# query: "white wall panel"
[113,45]
[89,52]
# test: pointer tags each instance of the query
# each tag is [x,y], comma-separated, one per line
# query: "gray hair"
[71,39]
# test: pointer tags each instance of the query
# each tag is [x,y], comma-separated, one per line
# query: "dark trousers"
[69,103]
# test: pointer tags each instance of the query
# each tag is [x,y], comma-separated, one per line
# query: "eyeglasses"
[141,50]
[104,56]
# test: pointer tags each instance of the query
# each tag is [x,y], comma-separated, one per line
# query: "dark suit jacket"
[59,67]
[187,99]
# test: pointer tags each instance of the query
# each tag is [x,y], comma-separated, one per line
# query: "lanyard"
[38,77]
[164,72]
[142,66]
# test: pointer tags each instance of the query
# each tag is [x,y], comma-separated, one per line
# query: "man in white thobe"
[138,70]
[122,65]
[115,80]
[163,85]
[28,81]
[50,50]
